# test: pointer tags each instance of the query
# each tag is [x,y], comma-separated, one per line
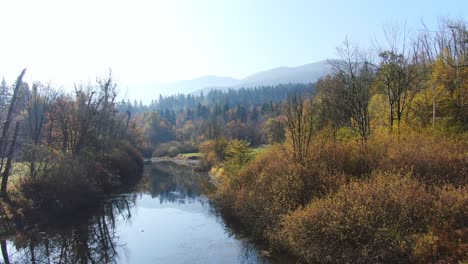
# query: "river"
[166,218]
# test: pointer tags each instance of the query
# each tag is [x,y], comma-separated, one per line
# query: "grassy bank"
[387,201]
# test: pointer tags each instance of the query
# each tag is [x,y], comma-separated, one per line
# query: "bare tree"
[37,111]
[300,127]
[331,104]
[453,40]
[107,94]
[10,114]
[399,73]
[4,99]
[428,50]
[355,77]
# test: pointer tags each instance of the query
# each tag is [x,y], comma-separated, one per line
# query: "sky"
[163,41]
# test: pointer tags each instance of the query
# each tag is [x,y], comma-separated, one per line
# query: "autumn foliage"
[387,201]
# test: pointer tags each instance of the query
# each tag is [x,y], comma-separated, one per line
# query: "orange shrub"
[381,216]
[270,187]
[367,221]
[447,239]
[353,157]
[433,160]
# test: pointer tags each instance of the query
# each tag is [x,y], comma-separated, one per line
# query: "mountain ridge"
[306,73]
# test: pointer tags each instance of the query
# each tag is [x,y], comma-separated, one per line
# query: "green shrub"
[173,148]
[237,153]
[214,151]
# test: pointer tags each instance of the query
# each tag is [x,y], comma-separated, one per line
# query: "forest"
[367,165]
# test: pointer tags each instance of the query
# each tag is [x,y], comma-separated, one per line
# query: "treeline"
[228,97]
[373,168]
[60,150]
[249,114]
[414,84]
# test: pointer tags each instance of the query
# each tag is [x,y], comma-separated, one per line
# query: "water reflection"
[92,238]
[167,219]
[173,183]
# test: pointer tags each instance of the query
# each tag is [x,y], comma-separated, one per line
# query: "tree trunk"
[433,107]
[9,117]
[6,258]
[6,173]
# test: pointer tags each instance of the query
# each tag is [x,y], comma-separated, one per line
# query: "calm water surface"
[167,219]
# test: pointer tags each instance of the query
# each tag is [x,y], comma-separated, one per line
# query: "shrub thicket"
[126,161]
[388,218]
[389,200]
[71,182]
[269,187]
[368,222]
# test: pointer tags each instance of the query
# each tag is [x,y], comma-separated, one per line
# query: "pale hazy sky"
[161,41]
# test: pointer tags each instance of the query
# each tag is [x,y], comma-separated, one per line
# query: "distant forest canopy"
[221,97]
[232,113]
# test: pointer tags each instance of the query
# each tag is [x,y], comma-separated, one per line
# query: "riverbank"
[387,201]
[180,159]
[68,186]
[166,219]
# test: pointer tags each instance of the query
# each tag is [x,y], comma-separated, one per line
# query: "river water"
[165,219]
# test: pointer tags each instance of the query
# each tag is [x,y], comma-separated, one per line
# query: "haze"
[165,41]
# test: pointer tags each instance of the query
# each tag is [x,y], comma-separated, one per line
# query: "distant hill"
[149,91]
[301,74]
[188,86]
[308,73]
